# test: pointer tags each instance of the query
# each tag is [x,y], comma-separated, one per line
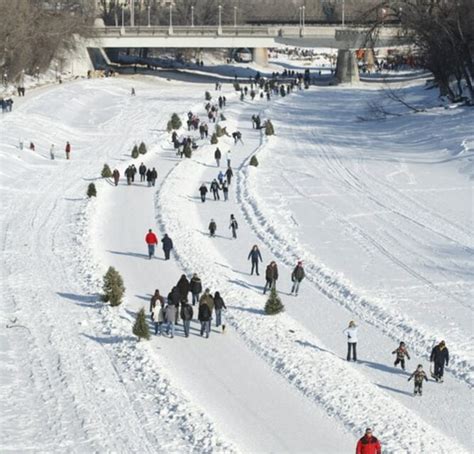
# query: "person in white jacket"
[228,156]
[351,334]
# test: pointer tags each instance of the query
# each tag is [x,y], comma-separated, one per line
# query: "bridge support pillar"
[260,56]
[347,71]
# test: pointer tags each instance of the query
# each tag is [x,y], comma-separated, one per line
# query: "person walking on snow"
[167,246]
[215,189]
[440,357]
[237,136]
[154,176]
[195,286]
[219,305]
[170,314]
[128,175]
[206,306]
[157,303]
[225,191]
[203,192]
[233,225]
[255,256]
[116,175]
[142,171]
[186,315]
[229,174]
[351,334]
[51,152]
[218,156]
[401,352]
[271,276]
[68,150]
[183,287]
[419,376]
[151,240]
[228,157]
[212,228]
[220,177]
[296,277]
[368,444]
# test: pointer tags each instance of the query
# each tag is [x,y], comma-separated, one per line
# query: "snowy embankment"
[293,351]
[346,181]
[74,379]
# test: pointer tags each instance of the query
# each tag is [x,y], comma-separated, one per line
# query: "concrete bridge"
[258,38]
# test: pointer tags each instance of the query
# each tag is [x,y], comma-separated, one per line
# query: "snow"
[380,213]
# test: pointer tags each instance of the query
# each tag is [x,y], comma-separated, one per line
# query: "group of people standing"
[150,175]
[167,313]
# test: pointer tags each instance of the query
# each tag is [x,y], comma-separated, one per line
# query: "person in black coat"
[183,287]
[167,243]
[149,177]
[204,317]
[186,315]
[218,156]
[271,276]
[203,192]
[195,286]
[142,171]
[440,357]
[229,174]
[255,255]
[218,306]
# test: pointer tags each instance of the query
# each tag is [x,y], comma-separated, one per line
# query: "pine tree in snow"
[135,152]
[274,305]
[214,139]
[253,161]
[142,148]
[140,327]
[91,190]
[106,172]
[113,287]
[269,131]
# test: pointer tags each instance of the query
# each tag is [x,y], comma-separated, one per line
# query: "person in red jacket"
[68,150]
[151,241]
[368,444]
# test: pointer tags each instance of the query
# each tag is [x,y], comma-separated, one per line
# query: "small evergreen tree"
[175,121]
[214,139]
[274,305]
[219,131]
[142,148]
[140,327]
[135,152]
[269,130]
[187,150]
[106,172]
[113,287]
[236,86]
[222,117]
[91,190]
[208,96]
[169,126]
[253,161]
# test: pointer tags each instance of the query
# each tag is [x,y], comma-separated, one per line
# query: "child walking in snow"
[401,352]
[419,375]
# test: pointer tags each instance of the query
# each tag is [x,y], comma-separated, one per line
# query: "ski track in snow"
[284,245]
[311,370]
[79,380]
[90,386]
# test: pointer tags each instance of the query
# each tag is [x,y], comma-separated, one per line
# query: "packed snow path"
[220,376]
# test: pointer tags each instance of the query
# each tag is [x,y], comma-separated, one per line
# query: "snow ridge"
[300,357]
[285,247]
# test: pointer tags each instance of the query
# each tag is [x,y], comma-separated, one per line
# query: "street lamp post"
[149,21]
[343,13]
[299,9]
[235,16]
[303,8]
[123,19]
[171,19]
[5,78]
[192,15]
[219,28]
[56,69]
[37,72]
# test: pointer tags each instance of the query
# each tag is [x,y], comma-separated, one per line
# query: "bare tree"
[33,33]
[443,34]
